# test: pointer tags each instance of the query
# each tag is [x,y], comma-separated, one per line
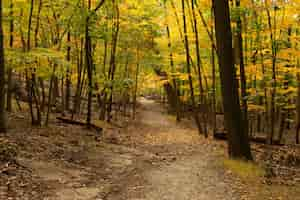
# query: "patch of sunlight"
[102,124]
[172,137]
[171,117]
[23,105]
[244,169]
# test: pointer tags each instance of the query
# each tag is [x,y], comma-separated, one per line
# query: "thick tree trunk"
[238,141]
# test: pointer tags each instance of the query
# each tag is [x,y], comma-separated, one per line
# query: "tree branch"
[99,5]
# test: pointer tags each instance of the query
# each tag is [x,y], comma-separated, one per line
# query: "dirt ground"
[188,168]
[150,158]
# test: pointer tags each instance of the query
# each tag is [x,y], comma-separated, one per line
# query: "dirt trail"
[191,175]
[154,158]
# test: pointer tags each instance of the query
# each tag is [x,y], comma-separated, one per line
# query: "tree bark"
[298,110]
[242,70]
[214,88]
[10,72]
[68,75]
[197,45]
[2,78]
[112,67]
[238,141]
[80,72]
[89,66]
[176,99]
[137,71]
[188,65]
[274,77]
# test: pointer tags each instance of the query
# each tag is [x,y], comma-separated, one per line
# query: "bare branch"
[99,5]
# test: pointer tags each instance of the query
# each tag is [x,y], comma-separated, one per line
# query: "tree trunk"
[282,125]
[42,85]
[176,99]
[37,24]
[137,71]
[238,141]
[242,70]
[2,78]
[197,51]
[112,68]
[201,90]
[214,88]
[50,94]
[274,78]
[77,101]
[28,79]
[188,64]
[10,72]
[68,75]
[298,110]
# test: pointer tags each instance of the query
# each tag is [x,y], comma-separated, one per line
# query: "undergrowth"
[244,169]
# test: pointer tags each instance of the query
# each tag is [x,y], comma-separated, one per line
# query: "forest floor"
[151,158]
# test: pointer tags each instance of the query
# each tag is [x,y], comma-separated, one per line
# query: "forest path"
[152,158]
[191,170]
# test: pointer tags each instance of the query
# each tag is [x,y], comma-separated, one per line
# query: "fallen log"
[256,139]
[98,129]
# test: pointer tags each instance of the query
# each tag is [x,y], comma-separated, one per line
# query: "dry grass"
[244,169]
[255,185]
